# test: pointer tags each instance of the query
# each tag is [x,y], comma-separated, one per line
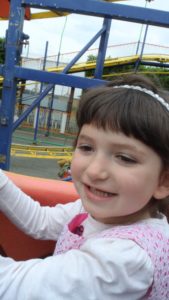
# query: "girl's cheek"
[74,166]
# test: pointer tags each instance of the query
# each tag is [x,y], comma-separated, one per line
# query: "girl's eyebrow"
[126,146]
[85,137]
[114,145]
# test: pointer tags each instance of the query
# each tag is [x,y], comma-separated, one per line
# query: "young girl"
[112,243]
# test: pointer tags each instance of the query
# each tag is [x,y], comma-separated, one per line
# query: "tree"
[2,58]
[2,50]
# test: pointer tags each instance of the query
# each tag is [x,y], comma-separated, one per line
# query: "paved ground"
[27,137]
[45,168]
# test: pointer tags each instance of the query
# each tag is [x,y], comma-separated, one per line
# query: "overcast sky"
[78,30]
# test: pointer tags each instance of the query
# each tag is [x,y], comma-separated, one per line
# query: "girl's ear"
[162,191]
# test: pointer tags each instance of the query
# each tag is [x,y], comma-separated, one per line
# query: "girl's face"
[115,175]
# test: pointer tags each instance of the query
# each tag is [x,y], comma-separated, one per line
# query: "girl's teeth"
[100,193]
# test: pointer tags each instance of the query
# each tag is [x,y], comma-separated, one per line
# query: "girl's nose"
[98,168]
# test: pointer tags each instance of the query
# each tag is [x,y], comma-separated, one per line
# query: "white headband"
[144,90]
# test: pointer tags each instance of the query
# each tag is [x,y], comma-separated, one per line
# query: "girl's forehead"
[92,128]
[93,132]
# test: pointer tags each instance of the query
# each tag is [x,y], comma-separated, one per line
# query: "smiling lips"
[96,194]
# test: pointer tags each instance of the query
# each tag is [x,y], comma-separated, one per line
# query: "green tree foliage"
[2,58]
[161,75]
[90,59]
[2,50]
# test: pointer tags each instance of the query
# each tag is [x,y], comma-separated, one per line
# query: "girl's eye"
[85,148]
[126,159]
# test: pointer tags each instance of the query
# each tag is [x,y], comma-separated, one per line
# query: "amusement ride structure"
[12,71]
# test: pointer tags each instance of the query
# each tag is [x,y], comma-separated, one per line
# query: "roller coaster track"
[81,67]
[113,62]
[118,61]
[58,153]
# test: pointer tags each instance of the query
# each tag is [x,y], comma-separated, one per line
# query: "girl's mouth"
[97,194]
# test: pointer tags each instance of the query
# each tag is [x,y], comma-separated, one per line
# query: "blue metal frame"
[102,49]
[142,50]
[11,70]
[13,52]
[60,79]
[85,84]
[105,10]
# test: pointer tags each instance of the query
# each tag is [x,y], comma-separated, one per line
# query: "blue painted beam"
[52,78]
[154,64]
[85,83]
[85,48]
[102,49]
[105,10]
[50,86]
[56,78]
[12,57]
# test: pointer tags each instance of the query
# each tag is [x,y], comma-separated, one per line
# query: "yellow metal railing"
[58,153]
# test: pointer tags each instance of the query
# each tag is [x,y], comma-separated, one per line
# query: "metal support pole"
[50,112]
[144,40]
[69,107]
[12,57]
[142,51]
[41,88]
[102,49]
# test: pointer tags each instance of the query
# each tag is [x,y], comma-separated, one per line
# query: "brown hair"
[132,112]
